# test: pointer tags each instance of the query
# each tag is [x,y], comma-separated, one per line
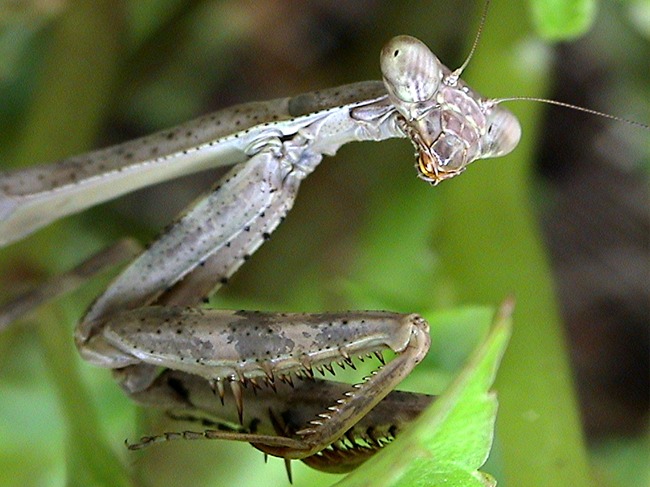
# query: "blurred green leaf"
[559,20]
[490,247]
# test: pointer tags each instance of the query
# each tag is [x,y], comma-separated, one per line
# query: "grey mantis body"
[147,318]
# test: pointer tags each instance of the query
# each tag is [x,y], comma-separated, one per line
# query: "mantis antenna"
[497,101]
[457,72]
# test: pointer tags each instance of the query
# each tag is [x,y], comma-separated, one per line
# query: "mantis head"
[449,124]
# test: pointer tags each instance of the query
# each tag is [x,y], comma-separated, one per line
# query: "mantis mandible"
[148,317]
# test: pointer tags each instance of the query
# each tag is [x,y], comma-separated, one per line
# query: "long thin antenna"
[458,71]
[496,101]
[453,78]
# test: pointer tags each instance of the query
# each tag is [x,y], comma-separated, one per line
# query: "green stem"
[491,247]
[67,109]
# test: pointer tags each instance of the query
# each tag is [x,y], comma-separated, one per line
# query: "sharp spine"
[235,387]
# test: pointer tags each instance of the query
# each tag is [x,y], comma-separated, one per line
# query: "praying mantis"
[399,113]
[147,319]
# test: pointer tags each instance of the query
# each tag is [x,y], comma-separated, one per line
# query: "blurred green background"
[563,223]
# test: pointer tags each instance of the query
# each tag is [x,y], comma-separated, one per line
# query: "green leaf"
[490,246]
[452,439]
[559,20]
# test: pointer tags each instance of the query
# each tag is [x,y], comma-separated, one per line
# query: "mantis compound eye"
[502,134]
[411,72]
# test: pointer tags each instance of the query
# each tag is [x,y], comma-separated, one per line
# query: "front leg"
[273,416]
[202,249]
[235,350]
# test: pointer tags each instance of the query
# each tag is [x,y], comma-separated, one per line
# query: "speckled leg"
[201,250]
